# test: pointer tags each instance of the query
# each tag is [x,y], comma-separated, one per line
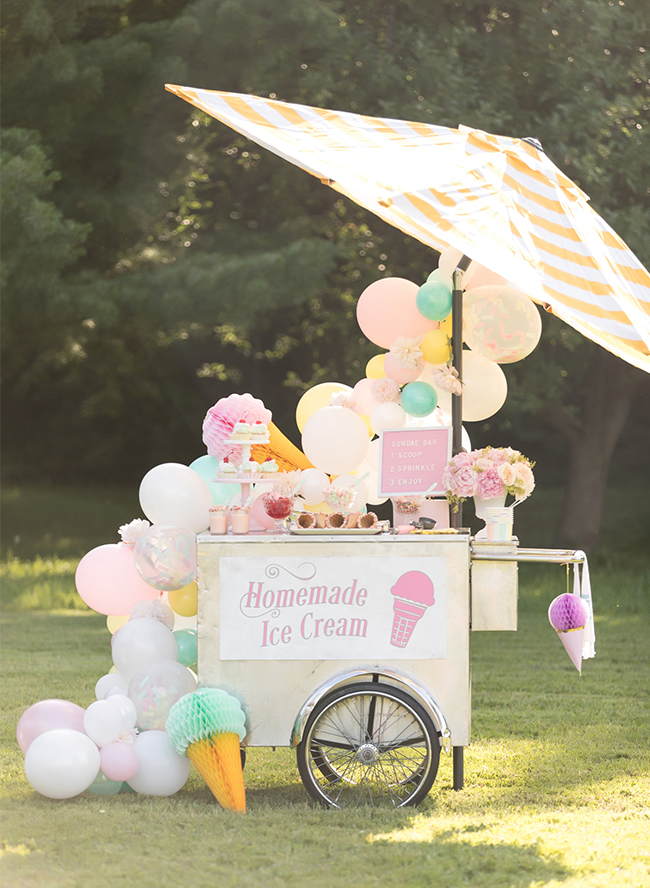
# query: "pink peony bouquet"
[489,473]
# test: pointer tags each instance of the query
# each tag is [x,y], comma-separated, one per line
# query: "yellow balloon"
[375,367]
[366,419]
[184,601]
[435,347]
[115,623]
[446,325]
[315,398]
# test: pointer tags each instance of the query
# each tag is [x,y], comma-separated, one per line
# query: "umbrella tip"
[534,142]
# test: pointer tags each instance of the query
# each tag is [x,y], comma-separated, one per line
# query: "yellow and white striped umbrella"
[498,200]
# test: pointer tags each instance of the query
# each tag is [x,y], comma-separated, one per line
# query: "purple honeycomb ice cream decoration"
[567,612]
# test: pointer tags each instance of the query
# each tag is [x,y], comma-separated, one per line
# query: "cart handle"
[545,556]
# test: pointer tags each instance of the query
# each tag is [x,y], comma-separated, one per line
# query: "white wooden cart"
[303,631]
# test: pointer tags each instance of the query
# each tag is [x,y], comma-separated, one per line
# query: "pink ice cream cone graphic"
[413,595]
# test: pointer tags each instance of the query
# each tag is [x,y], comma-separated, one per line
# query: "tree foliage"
[155,260]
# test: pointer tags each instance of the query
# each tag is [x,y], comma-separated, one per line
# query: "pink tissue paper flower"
[385,390]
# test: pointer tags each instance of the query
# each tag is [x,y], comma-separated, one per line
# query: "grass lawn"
[557,777]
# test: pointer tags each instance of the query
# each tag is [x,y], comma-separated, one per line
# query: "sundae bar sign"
[331,608]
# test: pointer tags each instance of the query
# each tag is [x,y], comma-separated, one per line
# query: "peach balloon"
[401,375]
[387,309]
[366,401]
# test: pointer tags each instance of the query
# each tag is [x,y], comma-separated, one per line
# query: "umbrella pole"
[457,363]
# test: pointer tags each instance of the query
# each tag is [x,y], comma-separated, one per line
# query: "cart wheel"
[368,743]
[242,755]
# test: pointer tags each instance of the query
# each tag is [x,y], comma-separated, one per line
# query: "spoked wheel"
[369,744]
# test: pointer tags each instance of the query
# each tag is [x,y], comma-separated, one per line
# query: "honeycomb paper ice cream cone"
[207,726]
[288,457]
[218,761]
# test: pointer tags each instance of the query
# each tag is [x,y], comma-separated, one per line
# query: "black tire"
[368,744]
[242,754]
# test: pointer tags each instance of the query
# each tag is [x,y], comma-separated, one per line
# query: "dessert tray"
[336,531]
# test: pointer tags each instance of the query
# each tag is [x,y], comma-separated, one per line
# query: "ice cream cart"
[354,648]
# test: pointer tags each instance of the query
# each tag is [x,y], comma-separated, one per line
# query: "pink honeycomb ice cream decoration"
[567,612]
[221,418]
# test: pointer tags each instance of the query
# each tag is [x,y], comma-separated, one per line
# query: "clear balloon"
[375,367]
[186,640]
[434,298]
[387,416]
[335,440]
[501,323]
[141,642]
[312,482]
[118,761]
[107,580]
[161,770]
[45,716]
[103,722]
[475,276]
[175,494]
[387,309]
[165,556]
[156,688]
[419,398]
[61,763]
[184,601]
[316,398]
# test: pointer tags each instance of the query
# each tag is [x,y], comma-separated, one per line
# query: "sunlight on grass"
[39,584]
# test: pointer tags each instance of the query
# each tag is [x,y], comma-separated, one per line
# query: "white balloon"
[361,490]
[142,641]
[372,456]
[161,770]
[126,707]
[107,683]
[371,482]
[61,763]
[335,440]
[484,387]
[312,482]
[175,494]
[103,722]
[388,416]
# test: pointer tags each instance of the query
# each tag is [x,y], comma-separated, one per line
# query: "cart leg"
[459,775]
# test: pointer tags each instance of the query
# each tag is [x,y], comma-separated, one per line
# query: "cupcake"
[241,431]
[250,467]
[226,467]
[269,467]
[259,431]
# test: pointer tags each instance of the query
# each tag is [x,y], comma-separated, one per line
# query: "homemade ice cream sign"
[328,608]
[413,460]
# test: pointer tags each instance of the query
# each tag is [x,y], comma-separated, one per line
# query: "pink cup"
[218,521]
[240,520]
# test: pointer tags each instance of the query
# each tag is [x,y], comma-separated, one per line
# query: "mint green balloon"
[186,642]
[433,299]
[419,398]
[102,785]
[206,466]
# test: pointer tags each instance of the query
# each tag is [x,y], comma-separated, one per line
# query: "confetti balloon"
[156,688]
[165,556]
[500,323]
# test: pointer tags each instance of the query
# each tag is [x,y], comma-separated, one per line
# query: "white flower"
[446,379]
[407,353]
[154,609]
[132,531]
[343,399]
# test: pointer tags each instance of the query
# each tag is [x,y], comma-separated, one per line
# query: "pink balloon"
[365,400]
[46,715]
[108,581]
[399,374]
[259,515]
[118,761]
[387,310]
